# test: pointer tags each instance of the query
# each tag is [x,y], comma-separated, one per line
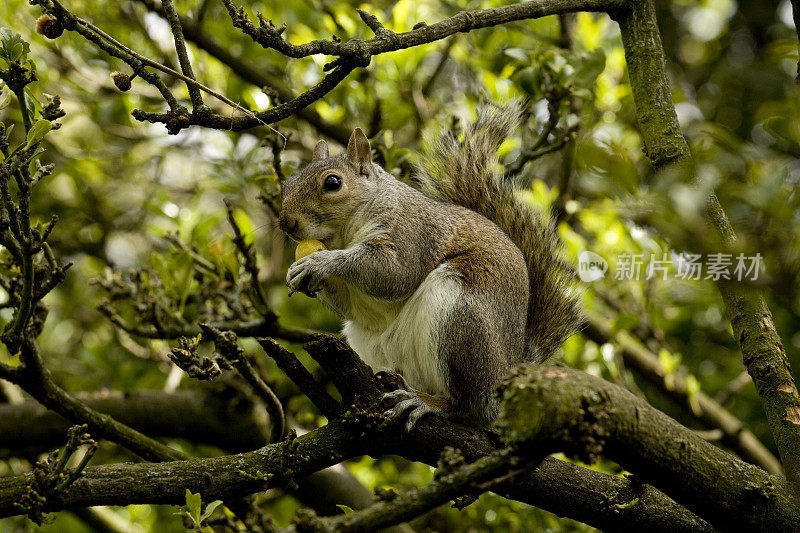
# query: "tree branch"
[71,22]
[250,73]
[472,479]
[37,381]
[598,499]
[301,377]
[698,404]
[199,416]
[587,416]
[762,351]
[226,343]
[251,120]
[180,49]
[357,53]
[268,36]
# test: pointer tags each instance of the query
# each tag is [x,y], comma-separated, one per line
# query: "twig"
[226,343]
[250,73]
[251,266]
[698,404]
[478,477]
[301,377]
[51,475]
[121,51]
[443,59]
[733,388]
[35,379]
[180,49]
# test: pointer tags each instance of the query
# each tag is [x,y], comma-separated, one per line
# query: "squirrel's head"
[320,200]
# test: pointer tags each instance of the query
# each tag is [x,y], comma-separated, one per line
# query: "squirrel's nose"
[288,224]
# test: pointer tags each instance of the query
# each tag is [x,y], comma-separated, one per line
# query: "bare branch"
[226,343]
[180,49]
[248,255]
[249,72]
[71,22]
[301,377]
[36,381]
[269,36]
[733,388]
[448,483]
[274,114]
[199,416]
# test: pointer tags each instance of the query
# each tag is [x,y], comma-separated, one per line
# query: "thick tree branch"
[587,416]
[215,478]
[605,501]
[762,351]
[698,404]
[202,417]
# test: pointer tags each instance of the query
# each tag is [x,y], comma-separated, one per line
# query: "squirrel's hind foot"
[406,401]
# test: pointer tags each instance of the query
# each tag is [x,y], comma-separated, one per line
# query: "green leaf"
[210,509]
[5,99]
[244,223]
[530,80]
[589,66]
[12,46]
[193,503]
[520,54]
[37,132]
[345,509]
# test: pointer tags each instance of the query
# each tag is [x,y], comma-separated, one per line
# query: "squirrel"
[445,287]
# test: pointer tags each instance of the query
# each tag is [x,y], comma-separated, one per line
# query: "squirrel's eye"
[332,182]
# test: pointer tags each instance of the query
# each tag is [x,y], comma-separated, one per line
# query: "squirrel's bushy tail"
[466,172]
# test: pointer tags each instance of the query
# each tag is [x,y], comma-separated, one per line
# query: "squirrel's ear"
[320,151]
[359,152]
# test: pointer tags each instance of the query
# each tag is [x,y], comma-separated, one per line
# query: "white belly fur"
[404,335]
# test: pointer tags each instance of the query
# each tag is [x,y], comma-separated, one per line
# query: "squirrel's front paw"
[403,401]
[308,274]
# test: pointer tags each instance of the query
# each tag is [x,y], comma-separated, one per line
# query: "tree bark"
[586,416]
[762,351]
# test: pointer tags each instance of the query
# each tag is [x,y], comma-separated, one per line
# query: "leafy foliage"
[142,213]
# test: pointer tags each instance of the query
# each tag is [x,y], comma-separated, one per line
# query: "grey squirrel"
[449,287]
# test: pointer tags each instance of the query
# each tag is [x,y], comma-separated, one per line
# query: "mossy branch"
[762,350]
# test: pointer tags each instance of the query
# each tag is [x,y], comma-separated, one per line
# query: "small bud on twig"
[122,80]
[49,26]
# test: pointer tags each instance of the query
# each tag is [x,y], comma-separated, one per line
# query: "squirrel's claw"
[404,401]
[306,275]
